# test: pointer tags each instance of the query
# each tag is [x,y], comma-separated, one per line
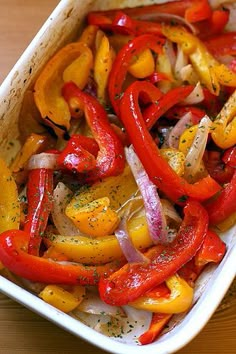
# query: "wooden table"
[22,331]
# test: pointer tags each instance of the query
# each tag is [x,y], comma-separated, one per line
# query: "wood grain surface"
[22,331]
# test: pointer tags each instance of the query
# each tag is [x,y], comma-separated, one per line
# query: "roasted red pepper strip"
[79,155]
[199,11]
[229,157]
[121,23]
[148,92]
[135,279]
[157,77]
[232,65]
[122,61]
[223,44]
[159,291]
[158,169]
[14,256]
[211,103]
[158,322]
[121,134]
[217,169]
[110,159]
[212,249]
[214,25]
[177,112]
[171,98]
[39,195]
[99,19]
[224,204]
[190,271]
[124,24]
[176,8]
[148,19]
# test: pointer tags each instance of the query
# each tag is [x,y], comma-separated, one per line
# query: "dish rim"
[193,322]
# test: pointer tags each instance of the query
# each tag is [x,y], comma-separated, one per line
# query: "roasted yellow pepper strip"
[94,211]
[79,70]
[210,71]
[95,218]
[47,95]
[30,120]
[185,142]
[196,51]
[224,126]
[103,61]
[180,298]
[101,250]
[143,65]
[88,35]
[227,223]
[119,40]
[118,189]
[35,143]
[175,159]
[9,203]
[187,138]
[163,65]
[61,298]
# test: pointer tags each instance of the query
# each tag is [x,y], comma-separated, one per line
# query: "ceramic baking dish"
[63,26]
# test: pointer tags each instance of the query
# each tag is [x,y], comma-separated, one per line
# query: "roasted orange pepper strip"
[48,97]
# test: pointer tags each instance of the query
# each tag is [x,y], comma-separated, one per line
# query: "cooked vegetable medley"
[126,173]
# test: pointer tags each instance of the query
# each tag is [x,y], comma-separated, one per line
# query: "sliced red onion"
[181,62]
[133,323]
[165,132]
[134,205]
[164,17]
[183,123]
[173,219]
[187,73]
[132,254]
[172,233]
[61,197]
[155,219]
[170,53]
[94,305]
[170,212]
[226,59]
[196,96]
[32,286]
[43,160]
[196,151]
[216,3]
[231,25]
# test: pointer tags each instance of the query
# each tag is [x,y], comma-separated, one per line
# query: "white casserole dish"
[62,26]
